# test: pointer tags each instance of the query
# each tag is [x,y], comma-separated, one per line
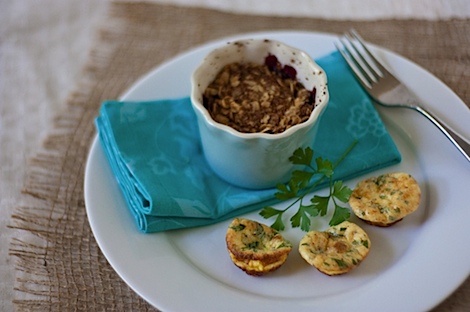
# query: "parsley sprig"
[299,186]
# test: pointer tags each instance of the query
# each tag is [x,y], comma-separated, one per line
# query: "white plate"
[412,266]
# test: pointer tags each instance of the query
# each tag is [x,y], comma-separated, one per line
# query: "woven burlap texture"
[59,265]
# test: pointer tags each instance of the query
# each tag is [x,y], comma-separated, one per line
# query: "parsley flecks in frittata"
[337,250]
[256,248]
[238,227]
[254,245]
[386,199]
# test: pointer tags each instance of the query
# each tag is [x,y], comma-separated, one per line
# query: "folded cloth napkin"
[154,151]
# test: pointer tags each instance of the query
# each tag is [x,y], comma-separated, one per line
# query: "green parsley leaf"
[301,178]
[302,217]
[286,191]
[324,167]
[341,214]
[301,184]
[321,203]
[302,156]
[269,212]
[341,192]
[278,224]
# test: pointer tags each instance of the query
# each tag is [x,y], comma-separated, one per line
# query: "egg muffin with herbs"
[386,199]
[256,248]
[337,250]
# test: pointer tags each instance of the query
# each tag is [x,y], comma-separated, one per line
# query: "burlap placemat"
[59,265]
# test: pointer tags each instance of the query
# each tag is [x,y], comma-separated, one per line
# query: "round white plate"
[412,266]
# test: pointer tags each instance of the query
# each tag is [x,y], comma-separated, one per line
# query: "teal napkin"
[155,153]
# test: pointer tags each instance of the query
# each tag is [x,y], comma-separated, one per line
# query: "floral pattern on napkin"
[364,121]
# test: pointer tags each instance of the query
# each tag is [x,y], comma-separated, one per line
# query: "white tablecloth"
[44,45]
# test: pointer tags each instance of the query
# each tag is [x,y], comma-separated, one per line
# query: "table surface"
[45,44]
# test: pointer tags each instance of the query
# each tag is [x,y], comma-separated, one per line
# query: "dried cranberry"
[290,72]
[313,95]
[272,62]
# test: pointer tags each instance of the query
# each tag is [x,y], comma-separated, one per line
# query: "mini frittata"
[256,248]
[386,199]
[337,250]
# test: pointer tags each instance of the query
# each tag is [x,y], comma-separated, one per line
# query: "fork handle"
[462,145]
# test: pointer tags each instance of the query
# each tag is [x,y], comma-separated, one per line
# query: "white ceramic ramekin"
[255,160]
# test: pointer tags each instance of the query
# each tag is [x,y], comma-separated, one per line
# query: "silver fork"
[384,88]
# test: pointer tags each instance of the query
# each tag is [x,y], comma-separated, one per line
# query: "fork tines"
[362,62]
